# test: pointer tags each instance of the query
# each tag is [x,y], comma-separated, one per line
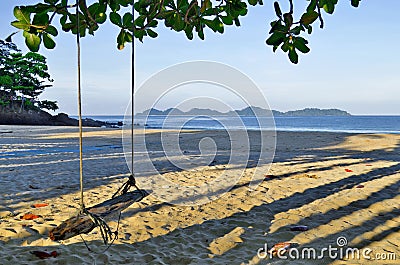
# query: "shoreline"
[336,184]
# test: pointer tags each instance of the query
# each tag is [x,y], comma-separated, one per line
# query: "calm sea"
[349,124]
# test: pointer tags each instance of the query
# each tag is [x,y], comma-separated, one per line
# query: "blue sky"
[353,63]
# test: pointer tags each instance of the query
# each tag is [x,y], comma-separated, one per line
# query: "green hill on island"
[249,111]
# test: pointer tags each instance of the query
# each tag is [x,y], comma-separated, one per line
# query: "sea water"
[348,124]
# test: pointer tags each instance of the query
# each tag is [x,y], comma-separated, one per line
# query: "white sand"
[307,185]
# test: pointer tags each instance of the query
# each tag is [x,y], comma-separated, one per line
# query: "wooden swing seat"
[83,224]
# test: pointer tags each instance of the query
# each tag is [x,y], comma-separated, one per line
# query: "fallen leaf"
[38,205]
[44,254]
[281,247]
[29,216]
[368,165]
[270,176]
[348,170]
[360,186]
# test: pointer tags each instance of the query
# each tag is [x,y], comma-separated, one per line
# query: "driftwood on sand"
[82,223]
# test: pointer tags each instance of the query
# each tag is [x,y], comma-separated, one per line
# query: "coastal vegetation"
[23,77]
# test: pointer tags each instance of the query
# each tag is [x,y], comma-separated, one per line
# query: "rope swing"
[89,218]
[105,230]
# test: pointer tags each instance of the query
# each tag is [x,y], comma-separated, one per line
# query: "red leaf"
[29,216]
[348,170]
[38,205]
[44,254]
[368,165]
[282,247]
[360,186]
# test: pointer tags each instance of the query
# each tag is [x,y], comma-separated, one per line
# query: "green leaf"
[278,11]
[219,25]
[205,5]
[210,12]
[101,18]
[182,5]
[51,1]
[328,5]
[9,37]
[293,57]
[139,21]
[309,29]
[152,33]
[189,32]
[355,3]
[286,46]
[201,34]
[276,39]
[48,41]
[153,23]
[51,30]
[127,20]
[114,5]
[41,19]
[40,8]
[128,37]
[253,2]
[277,26]
[21,25]
[116,19]
[309,17]
[139,34]
[68,26]
[300,44]
[312,6]
[22,14]
[121,40]
[32,41]
[296,30]
[227,20]
[288,18]
[124,3]
[215,25]
[178,22]
[63,20]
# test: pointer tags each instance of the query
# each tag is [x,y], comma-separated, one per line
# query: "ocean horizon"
[345,124]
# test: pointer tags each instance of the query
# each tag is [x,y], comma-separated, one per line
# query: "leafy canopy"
[23,77]
[190,17]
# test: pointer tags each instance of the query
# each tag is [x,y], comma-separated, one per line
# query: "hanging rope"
[105,230]
[78,44]
[133,96]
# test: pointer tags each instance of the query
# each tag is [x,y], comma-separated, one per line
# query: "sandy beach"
[337,185]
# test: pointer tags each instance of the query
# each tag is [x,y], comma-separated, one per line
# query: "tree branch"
[148,21]
[320,16]
[194,2]
[83,6]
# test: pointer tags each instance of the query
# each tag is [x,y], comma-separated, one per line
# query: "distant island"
[249,111]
